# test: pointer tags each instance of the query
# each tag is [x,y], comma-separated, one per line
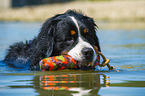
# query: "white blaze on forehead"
[76,23]
[76,52]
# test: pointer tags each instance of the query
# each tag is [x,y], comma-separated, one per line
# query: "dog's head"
[71,33]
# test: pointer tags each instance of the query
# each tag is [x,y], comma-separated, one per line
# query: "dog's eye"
[72,32]
[85,31]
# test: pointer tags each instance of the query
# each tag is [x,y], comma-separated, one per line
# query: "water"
[125,48]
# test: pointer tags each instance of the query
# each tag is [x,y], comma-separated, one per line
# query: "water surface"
[125,49]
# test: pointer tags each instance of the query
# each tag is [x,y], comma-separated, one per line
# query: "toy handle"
[105,62]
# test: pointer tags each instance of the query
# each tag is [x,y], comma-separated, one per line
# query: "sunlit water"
[125,49]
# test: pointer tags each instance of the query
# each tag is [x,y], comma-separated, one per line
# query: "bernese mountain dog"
[70,33]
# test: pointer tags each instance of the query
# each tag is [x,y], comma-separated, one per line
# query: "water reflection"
[72,84]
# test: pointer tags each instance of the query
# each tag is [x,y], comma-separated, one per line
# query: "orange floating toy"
[62,62]
[67,62]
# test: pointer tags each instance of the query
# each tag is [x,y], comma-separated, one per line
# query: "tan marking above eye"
[85,31]
[72,32]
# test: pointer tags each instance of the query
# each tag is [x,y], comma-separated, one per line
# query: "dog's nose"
[87,52]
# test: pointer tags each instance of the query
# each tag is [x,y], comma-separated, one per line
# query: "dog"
[71,33]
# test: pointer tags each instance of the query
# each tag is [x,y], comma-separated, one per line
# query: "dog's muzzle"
[83,51]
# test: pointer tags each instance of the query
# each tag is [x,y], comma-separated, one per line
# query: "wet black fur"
[51,41]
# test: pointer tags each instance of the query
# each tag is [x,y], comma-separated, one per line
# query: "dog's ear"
[45,37]
[96,40]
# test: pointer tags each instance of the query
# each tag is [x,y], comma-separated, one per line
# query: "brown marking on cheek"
[65,52]
[96,49]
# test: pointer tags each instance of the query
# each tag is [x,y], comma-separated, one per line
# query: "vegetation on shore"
[104,11]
